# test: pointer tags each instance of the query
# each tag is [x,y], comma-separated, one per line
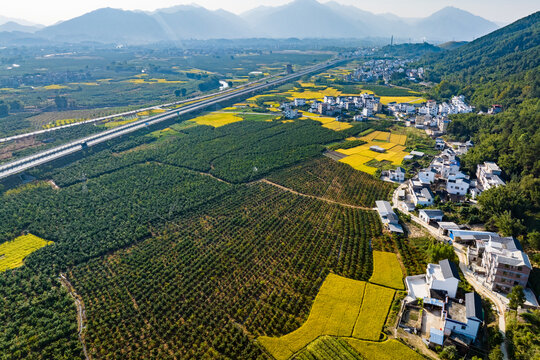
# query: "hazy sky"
[50,11]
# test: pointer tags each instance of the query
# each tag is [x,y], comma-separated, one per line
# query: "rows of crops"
[245,267]
[333,180]
[328,347]
[238,152]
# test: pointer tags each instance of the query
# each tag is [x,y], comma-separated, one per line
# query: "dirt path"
[81,312]
[268,182]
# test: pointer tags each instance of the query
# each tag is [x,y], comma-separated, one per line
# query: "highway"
[43,157]
[134,112]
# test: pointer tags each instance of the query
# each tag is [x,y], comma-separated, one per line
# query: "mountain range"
[299,19]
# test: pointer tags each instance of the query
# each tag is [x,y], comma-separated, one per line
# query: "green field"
[387,270]
[386,350]
[328,347]
[12,253]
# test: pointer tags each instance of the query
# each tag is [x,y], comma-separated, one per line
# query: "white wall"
[449,285]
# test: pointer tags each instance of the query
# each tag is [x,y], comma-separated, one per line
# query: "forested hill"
[501,67]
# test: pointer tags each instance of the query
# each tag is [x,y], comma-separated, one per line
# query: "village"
[435,309]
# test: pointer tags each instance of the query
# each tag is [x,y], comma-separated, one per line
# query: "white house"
[468,323]
[367,112]
[397,174]
[299,102]
[427,176]
[488,175]
[443,276]
[388,217]
[291,113]
[428,215]
[457,186]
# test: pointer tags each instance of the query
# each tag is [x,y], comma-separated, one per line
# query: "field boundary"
[284,188]
[81,312]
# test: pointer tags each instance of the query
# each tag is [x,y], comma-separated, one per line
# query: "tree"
[4,110]
[496,354]
[177,93]
[517,297]
[508,225]
[440,251]
[449,353]
[61,102]
[183,91]
[534,240]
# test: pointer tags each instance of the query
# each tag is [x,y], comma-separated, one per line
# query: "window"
[518,276]
[519,268]
[516,282]
[463,327]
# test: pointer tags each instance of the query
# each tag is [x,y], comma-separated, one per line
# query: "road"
[134,112]
[460,250]
[43,157]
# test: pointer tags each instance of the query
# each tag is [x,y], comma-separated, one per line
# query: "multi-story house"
[505,263]
[488,175]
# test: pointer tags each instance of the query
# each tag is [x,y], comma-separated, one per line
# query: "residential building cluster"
[358,107]
[382,70]
[430,116]
[444,177]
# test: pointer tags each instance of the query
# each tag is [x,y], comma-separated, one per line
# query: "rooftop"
[449,269]
[473,303]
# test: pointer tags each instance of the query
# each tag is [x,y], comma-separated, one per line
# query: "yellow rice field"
[343,307]
[385,100]
[387,270]
[13,253]
[360,155]
[217,119]
[334,312]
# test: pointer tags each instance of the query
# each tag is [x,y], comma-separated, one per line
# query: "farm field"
[217,119]
[230,263]
[328,347]
[385,100]
[386,350]
[339,310]
[13,253]
[327,122]
[334,312]
[359,156]
[372,316]
[332,180]
[387,270]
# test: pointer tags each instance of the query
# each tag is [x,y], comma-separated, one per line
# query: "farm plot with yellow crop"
[385,100]
[13,253]
[360,155]
[386,350]
[370,321]
[217,119]
[387,270]
[334,312]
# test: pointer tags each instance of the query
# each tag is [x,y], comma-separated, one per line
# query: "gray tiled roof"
[474,306]
[449,269]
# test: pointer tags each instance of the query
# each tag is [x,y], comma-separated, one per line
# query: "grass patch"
[387,270]
[13,253]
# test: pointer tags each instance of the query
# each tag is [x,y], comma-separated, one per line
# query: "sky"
[48,12]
